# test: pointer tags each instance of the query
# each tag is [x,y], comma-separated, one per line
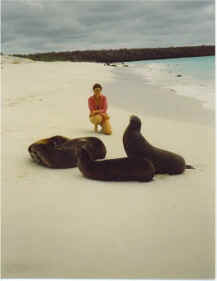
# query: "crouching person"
[97,104]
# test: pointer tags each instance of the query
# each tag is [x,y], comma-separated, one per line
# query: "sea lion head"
[45,144]
[135,122]
[94,146]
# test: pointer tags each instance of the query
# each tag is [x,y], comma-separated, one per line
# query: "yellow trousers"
[105,124]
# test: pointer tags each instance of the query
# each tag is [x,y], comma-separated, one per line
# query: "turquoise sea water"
[197,67]
[191,77]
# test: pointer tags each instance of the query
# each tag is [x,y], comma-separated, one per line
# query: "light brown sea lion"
[136,145]
[61,152]
[120,169]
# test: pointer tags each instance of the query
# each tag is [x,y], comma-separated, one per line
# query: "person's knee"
[96,119]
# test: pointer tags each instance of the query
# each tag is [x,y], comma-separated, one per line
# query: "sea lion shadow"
[124,183]
[86,131]
[34,164]
[162,177]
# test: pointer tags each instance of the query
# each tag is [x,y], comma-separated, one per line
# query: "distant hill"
[4,59]
[123,55]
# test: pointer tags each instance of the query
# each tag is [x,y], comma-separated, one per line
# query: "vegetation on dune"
[123,55]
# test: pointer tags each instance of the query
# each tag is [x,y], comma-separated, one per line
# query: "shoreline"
[167,103]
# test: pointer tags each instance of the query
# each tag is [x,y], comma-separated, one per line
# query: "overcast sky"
[57,25]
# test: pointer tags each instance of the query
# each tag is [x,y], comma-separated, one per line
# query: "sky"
[30,26]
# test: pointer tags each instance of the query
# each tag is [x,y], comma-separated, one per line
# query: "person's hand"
[96,111]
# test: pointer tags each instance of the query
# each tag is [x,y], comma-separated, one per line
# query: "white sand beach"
[58,224]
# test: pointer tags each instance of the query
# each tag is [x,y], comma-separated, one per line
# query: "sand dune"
[56,223]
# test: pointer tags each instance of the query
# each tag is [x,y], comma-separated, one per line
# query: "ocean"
[193,77]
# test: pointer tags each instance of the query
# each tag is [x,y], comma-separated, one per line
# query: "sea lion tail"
[189,167]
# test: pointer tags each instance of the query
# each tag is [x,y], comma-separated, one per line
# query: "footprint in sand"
[19,100]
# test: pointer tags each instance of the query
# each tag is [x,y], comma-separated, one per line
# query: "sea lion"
[136,145]
[120,169]
[61,152]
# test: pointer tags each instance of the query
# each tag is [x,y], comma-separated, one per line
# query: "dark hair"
[97,85]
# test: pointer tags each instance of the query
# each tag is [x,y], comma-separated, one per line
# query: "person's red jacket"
[102,107]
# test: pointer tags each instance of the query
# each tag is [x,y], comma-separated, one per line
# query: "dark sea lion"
[136,145]
[61,152]
[120,169]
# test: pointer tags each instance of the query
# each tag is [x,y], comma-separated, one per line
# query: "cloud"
[43,25]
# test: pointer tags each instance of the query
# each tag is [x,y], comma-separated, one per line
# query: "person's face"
[97,91]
